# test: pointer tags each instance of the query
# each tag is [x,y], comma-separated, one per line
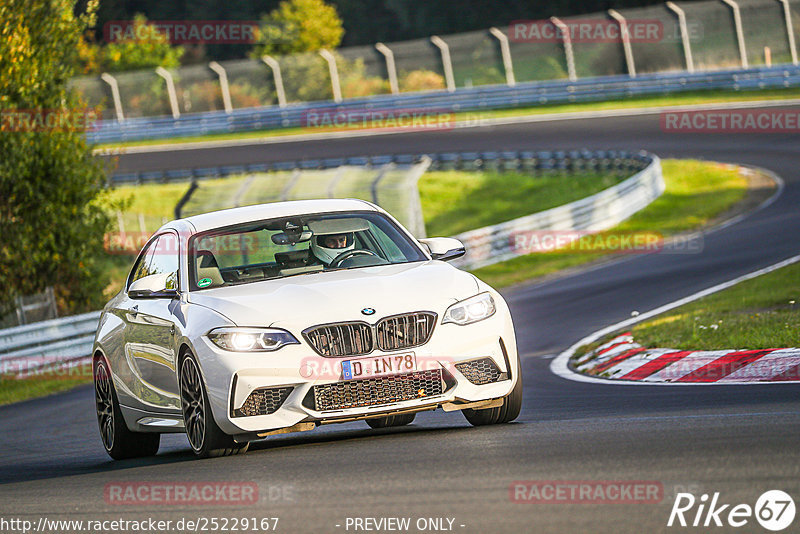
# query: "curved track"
[740,441]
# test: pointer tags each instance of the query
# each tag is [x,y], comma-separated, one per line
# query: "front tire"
[506,413]
[119,442]
[392,420]
[205,437]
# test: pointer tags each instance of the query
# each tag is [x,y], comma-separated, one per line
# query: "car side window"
[165,259]
[141,269]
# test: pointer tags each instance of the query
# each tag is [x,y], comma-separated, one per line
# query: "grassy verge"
[696,194]
[681,99]
[761,313]
[17,390]
[458,201]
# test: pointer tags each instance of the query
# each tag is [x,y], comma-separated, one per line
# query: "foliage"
[297,26]
[421,80]
[138,53]
[51,224]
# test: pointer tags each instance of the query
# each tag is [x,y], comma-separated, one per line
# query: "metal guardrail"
[526,161]
[461,100]
[604,210]
[28,348]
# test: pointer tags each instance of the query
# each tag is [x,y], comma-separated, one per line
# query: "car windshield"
[298,245]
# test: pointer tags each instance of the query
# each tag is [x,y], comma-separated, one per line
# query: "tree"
[51,221]
[138,53]
[299,26]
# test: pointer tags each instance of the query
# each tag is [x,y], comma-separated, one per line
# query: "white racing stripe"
[684,366]
[766,367]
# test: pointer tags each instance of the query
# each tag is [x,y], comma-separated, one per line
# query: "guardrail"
[604,210]
[527,161]
[461,100]
[29,348]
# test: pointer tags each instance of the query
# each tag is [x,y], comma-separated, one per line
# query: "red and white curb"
[623,359]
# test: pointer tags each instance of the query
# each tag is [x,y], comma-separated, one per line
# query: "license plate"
[379,366]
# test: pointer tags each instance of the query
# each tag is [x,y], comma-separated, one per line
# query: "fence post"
[439,43]
[112,83]
[505,50]
[335,85]
[223,85]
[567,39]
[273,64]
[737,21]
[626,41]
[687,45]
[787,13]
[173,96]
[391,68]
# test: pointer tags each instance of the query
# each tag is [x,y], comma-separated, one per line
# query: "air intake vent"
[263,402]
[481,372]
[377,391]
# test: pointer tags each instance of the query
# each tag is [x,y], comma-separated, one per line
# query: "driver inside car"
[327,248]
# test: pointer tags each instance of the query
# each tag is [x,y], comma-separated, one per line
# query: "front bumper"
[292,374]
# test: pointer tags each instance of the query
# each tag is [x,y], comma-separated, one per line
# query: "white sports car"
[248,322]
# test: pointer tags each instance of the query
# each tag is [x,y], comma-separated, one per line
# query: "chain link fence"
[467,60]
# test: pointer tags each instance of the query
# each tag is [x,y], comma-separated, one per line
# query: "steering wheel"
[338,260]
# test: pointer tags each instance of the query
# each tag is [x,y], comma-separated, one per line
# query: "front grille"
[481,372]
[377,391]
[263,402]
[405,331]
[358,338]
[344,339]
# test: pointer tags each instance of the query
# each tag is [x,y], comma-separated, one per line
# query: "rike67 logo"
[774,510]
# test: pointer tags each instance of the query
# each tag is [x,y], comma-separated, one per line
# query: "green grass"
[761,313]
[680,99]
[17,390]
[458,201]
[696,193]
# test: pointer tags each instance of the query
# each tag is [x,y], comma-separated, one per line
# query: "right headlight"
[251,339]
[471,310]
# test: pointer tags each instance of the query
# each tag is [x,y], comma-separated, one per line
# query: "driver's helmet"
[327,247]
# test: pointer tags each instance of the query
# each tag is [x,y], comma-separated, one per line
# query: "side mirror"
[444,248]
[152,287]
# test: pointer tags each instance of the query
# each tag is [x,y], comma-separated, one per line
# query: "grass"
[17,390]
[697,192]
[761,313]
[458,201]
[681,99]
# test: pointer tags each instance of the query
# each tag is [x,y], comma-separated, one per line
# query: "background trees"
[51,223]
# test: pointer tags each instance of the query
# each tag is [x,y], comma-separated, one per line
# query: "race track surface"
[737,440]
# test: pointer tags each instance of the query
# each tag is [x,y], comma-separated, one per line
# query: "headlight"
[470,311]
[251,339]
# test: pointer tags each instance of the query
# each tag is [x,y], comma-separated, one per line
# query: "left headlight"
[251,339]
[470,311]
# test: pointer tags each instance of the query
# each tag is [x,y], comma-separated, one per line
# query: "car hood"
[326,297]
